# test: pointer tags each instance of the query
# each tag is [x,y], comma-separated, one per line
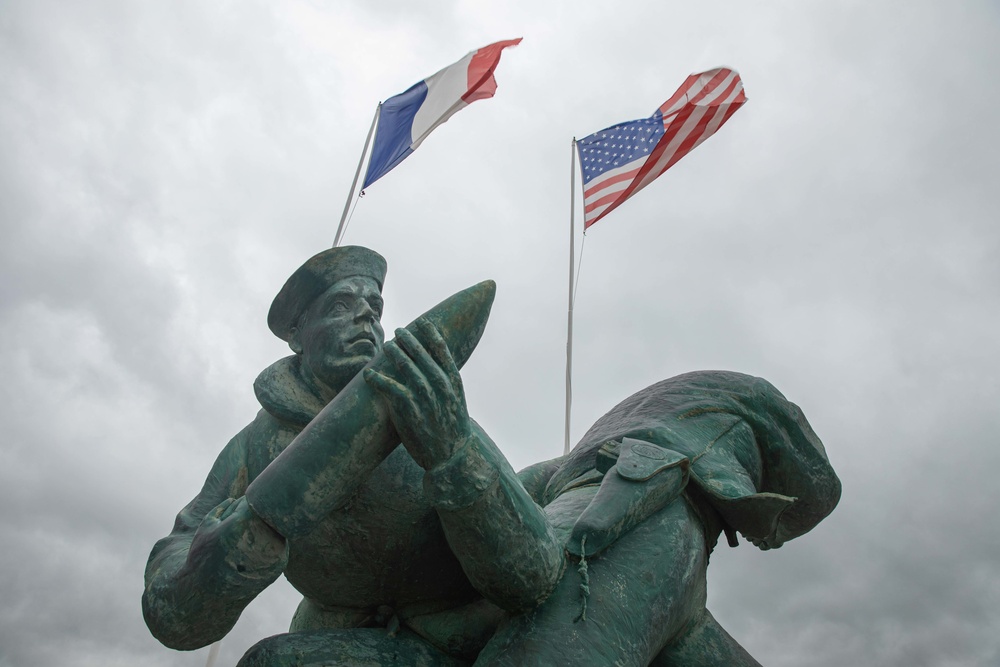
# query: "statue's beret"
[315,277]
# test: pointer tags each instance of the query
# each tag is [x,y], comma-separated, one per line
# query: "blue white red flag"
[406,119]
[622,159]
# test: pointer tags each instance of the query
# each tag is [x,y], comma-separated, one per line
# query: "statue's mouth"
[364,337]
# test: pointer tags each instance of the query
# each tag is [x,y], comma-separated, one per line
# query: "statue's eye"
[340,306]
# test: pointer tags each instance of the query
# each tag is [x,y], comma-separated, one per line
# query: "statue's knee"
[307,649]
[266,653]
[350,646]
[301,649]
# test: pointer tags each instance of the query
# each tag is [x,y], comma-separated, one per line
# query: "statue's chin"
[334,375]
[345,369]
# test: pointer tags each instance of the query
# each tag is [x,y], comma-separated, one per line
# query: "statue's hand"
[232,537]
[424,394]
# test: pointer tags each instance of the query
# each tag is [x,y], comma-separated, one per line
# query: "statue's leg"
[707,644]
[356,647]
[644,590]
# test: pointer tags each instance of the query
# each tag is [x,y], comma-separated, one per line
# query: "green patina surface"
[365,482]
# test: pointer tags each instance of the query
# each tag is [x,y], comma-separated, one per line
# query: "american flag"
[622,159]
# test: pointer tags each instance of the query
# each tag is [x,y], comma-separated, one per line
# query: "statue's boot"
[641,482]
[707,644]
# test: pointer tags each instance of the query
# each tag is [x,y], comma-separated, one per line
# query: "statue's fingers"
[392,391]
[424,361]
[407,371]
[231,507]
[434,342]
[214,515]
[220,509]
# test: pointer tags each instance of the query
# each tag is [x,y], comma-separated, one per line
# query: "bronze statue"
[413,541]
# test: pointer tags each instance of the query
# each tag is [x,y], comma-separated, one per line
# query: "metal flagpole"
[213,653]
[354,184]
[569,313]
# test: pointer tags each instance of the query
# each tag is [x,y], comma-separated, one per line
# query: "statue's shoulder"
[287,406]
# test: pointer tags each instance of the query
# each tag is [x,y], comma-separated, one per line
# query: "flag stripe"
[674,104]
[392,142]
[693,139]
[713,86]
[481,82]
[444,100]
[607,182]
[680,145]
[697,134]
[603,201]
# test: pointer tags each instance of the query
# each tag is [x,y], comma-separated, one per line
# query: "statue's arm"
[500,535]
[535,478]
[218,557]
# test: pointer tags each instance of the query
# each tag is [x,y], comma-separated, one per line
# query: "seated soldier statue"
[412,540]
[381,559]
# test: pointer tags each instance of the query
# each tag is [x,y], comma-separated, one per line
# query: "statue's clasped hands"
[423,391]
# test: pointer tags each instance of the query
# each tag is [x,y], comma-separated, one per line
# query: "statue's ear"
[294,341]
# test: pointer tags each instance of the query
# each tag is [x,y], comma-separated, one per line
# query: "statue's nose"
[365,312]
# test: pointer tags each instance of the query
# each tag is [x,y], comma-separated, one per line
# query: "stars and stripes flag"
[622,159]
[406,119]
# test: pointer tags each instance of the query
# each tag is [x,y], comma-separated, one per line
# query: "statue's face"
[341,331]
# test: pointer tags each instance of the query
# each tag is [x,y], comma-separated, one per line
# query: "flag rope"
[579,267]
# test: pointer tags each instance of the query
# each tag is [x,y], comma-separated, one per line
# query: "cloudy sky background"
[165,166]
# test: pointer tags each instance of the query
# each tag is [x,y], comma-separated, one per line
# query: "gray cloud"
[164,167]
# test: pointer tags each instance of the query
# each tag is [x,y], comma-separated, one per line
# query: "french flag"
[406,119]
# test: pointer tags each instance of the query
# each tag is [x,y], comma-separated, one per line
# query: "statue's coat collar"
[281,392]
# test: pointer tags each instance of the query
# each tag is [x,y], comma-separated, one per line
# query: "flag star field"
[618,145]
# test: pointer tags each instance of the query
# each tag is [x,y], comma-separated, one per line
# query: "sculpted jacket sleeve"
[501,536]
[218,557]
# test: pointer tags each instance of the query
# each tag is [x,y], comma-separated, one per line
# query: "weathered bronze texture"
[412,540]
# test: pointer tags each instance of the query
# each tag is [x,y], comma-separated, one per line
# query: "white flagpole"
[569,314]
[354,184]
[213,653]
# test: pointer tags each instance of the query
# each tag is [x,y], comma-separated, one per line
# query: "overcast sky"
[164,166]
